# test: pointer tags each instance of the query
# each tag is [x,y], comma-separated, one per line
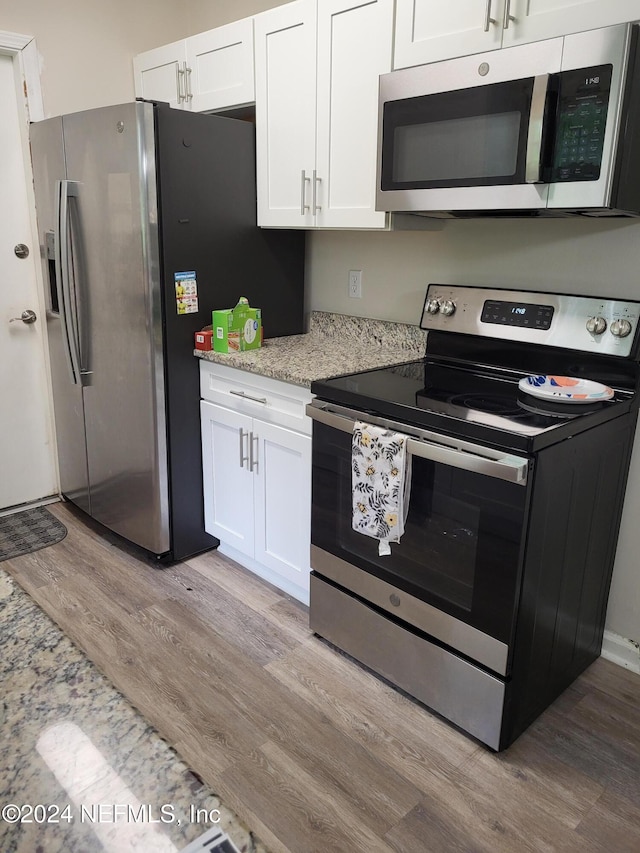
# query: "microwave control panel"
[581,118]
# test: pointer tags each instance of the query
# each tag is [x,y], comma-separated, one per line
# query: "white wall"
[86,46]
[205,14]
[567,256]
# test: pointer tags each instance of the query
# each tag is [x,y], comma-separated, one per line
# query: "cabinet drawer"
[259,396]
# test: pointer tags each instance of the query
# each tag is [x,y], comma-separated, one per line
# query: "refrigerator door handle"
[61,261]
[71,269]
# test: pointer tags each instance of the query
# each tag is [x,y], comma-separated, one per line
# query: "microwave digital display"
[521,314]
[583,101]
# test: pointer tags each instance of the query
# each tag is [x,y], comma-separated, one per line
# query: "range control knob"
[620,328]
[596,325]
[433,306]
[447,307]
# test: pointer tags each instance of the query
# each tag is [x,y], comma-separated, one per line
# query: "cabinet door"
[542,19]
[282,465]
[220,67]
[430,30]
[159,74]
[285,62]
[354,48]
[227,479]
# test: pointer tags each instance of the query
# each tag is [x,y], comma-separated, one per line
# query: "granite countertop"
[335,344]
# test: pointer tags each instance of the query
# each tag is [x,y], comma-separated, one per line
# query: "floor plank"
[312,750]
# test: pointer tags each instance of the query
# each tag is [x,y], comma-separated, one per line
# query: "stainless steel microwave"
[544,129]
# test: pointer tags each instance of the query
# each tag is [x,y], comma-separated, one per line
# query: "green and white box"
[237,329]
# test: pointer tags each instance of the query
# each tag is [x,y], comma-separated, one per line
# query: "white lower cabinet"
[256,452]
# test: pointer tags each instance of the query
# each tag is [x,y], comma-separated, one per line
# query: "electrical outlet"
[355,284]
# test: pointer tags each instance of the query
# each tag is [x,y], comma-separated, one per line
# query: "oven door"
[468,134]
[455,573]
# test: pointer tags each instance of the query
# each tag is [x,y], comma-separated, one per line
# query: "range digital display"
[525,315]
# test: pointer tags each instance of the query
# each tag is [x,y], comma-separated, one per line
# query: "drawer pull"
[262,400]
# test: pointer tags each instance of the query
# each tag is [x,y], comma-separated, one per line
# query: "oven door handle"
[503,467]
[434,447]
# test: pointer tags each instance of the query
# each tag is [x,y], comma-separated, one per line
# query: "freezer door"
[48,158]
[113,235]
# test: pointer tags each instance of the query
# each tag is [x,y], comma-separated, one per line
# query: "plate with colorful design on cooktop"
[565,389]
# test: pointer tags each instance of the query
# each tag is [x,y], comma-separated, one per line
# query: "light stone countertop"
[335,344]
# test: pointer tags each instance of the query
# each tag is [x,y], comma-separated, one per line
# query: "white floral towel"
[381,479]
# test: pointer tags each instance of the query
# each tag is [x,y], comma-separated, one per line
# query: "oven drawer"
[431,674]
[474,644]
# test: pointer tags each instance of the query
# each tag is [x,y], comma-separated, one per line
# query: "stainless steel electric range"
[494,599]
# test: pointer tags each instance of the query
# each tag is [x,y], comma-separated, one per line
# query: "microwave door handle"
[533,162]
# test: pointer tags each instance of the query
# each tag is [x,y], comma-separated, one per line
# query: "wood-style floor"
[315,753]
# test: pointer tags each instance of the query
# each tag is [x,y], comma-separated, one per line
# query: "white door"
[354,48]
[283,502]
[430,30]
[221,63]
[161,75]
[27,467]
[285,57]
[542,19]
[226,478]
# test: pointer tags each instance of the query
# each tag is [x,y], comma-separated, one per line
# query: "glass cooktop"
[458,400]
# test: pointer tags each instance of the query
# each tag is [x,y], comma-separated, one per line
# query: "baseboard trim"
[10,510]
[619,650]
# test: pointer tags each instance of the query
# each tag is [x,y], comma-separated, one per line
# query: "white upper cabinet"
[285,57]
[220,65]
[540,19]
[206,72]
[159,74]
[430,30]
[317,69]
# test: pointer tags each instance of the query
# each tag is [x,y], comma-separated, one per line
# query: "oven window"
[461,547]
[468,137]
[440,544]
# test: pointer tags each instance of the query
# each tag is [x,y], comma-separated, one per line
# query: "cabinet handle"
[244,457]
[188,94]
[253,460]
[179,79]
[488,20]
[316,181]
[262,400]
[507,15]
[303,188]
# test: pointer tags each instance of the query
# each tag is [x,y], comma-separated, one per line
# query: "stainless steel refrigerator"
[147,222]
